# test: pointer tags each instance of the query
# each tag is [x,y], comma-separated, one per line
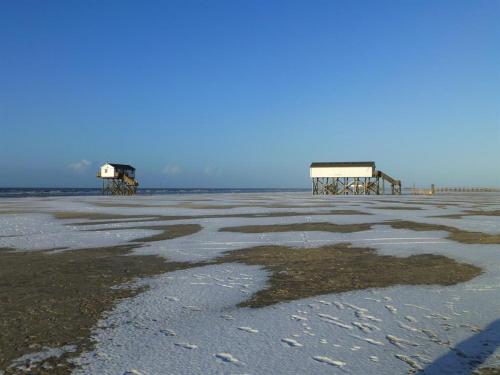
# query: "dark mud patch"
[397,208]
[212,206]
[317,205]
[16,212]
[448,216]
[128,205]
[168,232]
[299,227]
[97,219]
[52,300]
[454,234]
[314,213]
[208,206]
[470,213]
[177,203]
[76,215]
[302,273]
[439,204]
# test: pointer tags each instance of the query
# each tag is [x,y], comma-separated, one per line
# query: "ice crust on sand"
[291,342]
[189,320]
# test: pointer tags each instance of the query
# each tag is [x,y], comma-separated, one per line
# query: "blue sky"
[248,93]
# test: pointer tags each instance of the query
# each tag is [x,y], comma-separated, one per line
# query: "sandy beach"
[250,283]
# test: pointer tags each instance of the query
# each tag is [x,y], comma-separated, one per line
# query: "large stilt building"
[118,179]
[351,178]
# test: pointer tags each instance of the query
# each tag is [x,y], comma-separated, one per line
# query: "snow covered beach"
[197,319]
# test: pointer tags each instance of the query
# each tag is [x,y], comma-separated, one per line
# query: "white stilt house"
[341,178]
[118,179]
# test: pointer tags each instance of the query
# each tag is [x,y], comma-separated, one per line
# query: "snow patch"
[329,361]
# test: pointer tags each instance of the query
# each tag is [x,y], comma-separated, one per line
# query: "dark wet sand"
[405,208]
[470,213]
[300,227]
[168,232]
[102,218]
[454,234]
[52,300]
[301,273]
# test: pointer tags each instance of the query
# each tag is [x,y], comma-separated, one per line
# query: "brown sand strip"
[299,227]
[129,205]
[126,221]
[15,212]
[431,203]
[168,232]
[448,216]
[100,218]
[470,213]
[396,208]
[146,205]
[177,205]
[454,234]
[303,273]
[71,215]
[210,206]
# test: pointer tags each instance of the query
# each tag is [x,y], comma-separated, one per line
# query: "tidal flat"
[86,283]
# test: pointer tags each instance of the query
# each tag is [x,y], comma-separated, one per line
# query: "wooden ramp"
[130,181]
[395,184]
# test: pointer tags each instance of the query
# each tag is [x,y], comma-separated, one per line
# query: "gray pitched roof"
[122,166]
[344,164]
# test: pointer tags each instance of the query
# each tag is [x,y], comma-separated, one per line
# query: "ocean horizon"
[16,192]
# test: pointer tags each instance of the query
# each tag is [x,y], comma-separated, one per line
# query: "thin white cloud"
[172,170]
[211,171]
[80,166]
